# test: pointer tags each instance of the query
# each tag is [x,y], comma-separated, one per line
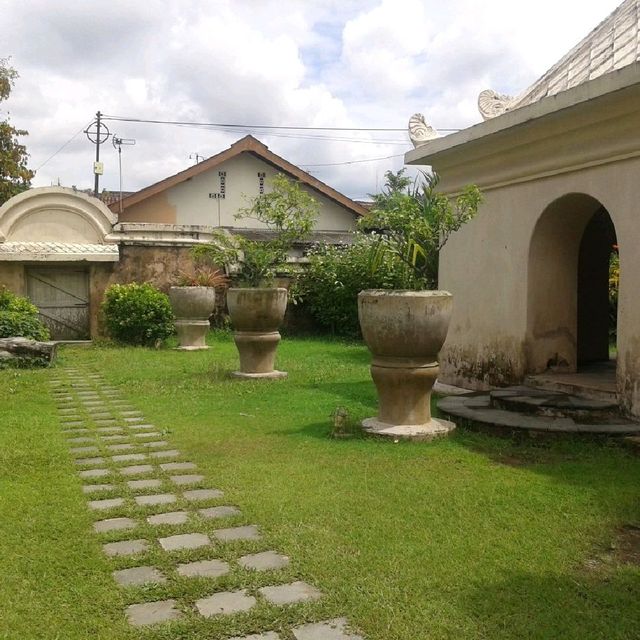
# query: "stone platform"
[525,409]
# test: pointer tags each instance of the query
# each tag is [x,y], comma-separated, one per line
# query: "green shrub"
[137,314]
[19,317]
[328,287]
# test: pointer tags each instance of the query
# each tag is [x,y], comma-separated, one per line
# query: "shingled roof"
[248,144]
[612,45]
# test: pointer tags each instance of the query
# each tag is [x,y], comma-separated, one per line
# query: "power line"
[335,164]
[255,126]
[69,141]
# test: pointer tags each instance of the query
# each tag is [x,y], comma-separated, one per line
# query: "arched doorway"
[568,312]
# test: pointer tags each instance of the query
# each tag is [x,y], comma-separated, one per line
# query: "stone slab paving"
[264,561]
[126,429]
[173,517]
[248,532]
[225,603]
[114,524]
[203,568]
[330,630]
[184,541]
[224,511]
[137,576]
[125,547]
[140,615]
[290,593]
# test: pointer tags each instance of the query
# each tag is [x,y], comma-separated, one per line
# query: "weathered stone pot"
[256,315]
[192,307]
[404,331]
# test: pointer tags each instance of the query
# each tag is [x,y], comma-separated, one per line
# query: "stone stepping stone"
[133,420]
[80,440]
[265,561]
[141,426]
[186,479]
[85,461]
[151,483]
[114,524]
[129,457]
[136,469]
[110,503]
[160,498]
[148,434]
[83,450]
[113,438]
[225,603]
[72,431]
[178,466]
[105,422]
[290,593]
[248,532]
[92,404]
[184,541]
[94,473]
[141,615]
[102,416]
[74,423]
[219,512]
[110,430]
[267,635]
[121,447]
[94,488]
[138,576]
[328,630]
[171,453]
[173,517]
[194,495]
[131,414]
[154,444]
[125,548]
[203,569]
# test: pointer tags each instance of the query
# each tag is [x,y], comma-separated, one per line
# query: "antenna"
[196,156]
[117,144]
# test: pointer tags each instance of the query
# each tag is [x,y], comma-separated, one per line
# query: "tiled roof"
[612,45]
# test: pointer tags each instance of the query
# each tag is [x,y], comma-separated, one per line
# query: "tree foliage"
[288,211]
[15,176]
[417,221]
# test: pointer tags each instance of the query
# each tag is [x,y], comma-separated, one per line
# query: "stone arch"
[55,214]
[561,268]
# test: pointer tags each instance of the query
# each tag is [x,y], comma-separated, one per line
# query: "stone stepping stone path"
[161,525]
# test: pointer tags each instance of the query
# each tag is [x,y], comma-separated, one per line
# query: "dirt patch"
[624,549]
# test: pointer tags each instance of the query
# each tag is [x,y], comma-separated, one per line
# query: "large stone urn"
[256,315]
[404,331]
[192,307]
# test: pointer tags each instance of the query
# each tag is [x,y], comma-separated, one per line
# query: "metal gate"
[62,298]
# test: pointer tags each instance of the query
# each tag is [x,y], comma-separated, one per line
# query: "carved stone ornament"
[419,131]
[492,104]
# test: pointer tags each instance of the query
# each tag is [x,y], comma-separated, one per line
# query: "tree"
[416,222]
[15,176]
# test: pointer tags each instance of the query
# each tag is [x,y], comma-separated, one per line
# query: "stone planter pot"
[256,315]
[405,330]
[192,307]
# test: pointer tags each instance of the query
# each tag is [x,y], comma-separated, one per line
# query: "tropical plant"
[288,211]
[19,317]
[202,276]
[137,314]
[417,221]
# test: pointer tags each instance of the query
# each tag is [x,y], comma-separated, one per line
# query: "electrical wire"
[335,164]
[69,141]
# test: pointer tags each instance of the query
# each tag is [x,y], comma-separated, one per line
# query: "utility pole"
[97,132]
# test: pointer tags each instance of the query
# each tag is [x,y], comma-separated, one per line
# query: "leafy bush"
[614,285]
[19,317]
[137,314]
[328,288]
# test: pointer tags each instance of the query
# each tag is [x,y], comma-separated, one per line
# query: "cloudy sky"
[285,63]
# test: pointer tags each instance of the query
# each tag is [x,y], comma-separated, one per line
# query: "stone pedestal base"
[272,375]
[192,334]
[435,428]
[257,352]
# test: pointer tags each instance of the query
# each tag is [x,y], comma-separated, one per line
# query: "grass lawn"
[471,537]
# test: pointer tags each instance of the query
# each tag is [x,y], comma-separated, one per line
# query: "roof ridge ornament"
[419,131]
[492,104]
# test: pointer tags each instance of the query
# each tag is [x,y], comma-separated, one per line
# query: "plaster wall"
[189,201]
